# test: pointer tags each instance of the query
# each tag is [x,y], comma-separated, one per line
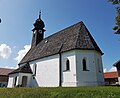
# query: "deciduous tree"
[117,19]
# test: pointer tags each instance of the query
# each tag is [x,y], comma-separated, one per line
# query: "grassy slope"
[74,92]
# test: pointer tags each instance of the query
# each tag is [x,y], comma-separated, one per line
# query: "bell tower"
[38,31]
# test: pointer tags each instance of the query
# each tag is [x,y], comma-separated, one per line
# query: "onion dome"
[39,24]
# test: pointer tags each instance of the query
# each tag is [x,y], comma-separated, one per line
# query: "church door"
[24,81]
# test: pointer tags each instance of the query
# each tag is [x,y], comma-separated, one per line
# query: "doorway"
[24,81]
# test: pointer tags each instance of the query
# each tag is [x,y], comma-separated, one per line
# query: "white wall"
[47,74]
[99,68]
[11,80]
[47,71]
[69,77]
[28,78]
[91,77]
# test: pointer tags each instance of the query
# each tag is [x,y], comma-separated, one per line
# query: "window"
[67,65]
[99,67]
[34,69]
[84,63]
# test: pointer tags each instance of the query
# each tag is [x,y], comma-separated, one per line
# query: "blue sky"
[18,17]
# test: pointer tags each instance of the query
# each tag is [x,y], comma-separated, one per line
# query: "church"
[68,58]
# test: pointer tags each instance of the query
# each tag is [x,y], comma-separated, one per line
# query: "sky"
[18,17]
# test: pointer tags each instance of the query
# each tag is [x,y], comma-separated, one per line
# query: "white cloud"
[112,69]
[105,70]
[9,67]
[21,53]
[5,51]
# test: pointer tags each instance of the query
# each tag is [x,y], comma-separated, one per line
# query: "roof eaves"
[116,63]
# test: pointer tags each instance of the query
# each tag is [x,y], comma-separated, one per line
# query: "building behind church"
[70,57]
[4,76]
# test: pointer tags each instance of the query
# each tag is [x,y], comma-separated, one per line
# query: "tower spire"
[40,14]
[38,31]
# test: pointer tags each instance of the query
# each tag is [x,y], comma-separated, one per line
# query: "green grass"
[59,92]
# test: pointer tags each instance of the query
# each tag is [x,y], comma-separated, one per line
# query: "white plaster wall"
[19,79]
[69,77]
[100,73]
[119,80]
[47,73]
[90,77]
[12,79]
[10,82]
[28,78]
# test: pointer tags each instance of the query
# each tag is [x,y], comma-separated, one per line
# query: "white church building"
[70,57]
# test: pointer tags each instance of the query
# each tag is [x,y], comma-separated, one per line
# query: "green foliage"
[114,1]
[61,92]
[117,19]
[115,27]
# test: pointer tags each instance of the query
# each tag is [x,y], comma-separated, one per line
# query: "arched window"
[98,64]
[67,65]
[34,69]
[84,65]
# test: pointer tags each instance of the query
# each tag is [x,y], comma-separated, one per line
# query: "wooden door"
[24,81]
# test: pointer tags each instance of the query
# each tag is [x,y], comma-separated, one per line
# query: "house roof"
[117,63]
[110,75]
[23,69]
[76,36]
[5,71]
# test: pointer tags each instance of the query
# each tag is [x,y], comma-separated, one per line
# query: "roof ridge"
[85,36]
[78,34]
[68,27]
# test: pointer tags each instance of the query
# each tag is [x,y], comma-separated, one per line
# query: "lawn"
[59,92]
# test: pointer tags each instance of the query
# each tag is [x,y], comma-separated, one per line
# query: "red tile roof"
[5,71]
[110,75]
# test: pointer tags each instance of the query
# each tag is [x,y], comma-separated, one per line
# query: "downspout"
[60,70]
[60,67]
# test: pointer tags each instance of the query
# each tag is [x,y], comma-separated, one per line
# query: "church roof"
[23,69]
[76,36]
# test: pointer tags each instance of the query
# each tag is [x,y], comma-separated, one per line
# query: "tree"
[117,19]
